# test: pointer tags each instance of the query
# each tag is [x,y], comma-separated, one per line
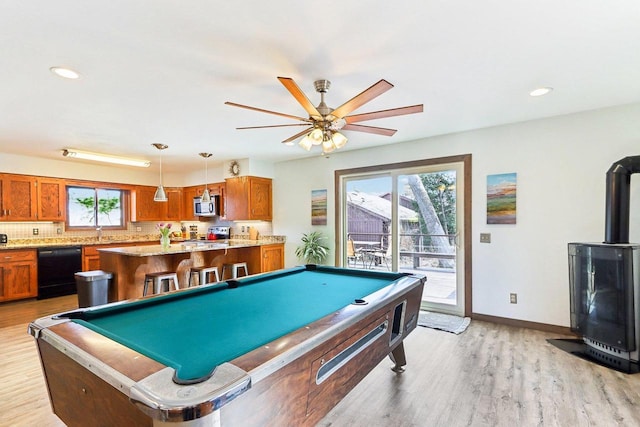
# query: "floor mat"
[443,322]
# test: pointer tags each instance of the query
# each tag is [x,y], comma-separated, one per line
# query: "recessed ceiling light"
[540,91]
[67,73]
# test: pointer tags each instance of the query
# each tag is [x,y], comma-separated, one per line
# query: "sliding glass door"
[410,219]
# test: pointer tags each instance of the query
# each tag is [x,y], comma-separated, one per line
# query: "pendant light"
[160,195]
[206,197]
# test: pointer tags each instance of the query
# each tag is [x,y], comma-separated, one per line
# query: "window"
[95,207]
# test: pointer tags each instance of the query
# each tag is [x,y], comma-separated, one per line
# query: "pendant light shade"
[206,197]
[160,195]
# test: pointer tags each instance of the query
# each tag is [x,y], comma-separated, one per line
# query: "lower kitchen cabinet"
[18,274]
[272,257]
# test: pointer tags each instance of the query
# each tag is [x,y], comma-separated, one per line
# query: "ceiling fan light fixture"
[328,146]
[339,140]
[306,143]
[316,136]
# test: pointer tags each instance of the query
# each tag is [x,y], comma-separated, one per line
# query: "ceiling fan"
[324,124]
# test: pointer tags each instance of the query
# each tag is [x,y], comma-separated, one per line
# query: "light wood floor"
[491,375]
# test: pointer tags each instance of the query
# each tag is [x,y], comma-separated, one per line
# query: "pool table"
[279,348]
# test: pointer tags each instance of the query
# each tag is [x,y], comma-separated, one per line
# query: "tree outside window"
[95,207]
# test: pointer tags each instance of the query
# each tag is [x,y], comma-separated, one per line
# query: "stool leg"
[215,273]
[146,287]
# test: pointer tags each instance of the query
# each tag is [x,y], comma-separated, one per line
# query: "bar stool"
[235,269]
[158,280]
[203,275]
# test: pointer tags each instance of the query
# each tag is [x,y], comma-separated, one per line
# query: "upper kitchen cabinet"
[51,199]
[189,193]
[248,198]
[18,198]
[144,208]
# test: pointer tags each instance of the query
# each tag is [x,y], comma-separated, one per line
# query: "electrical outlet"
[485,237]
[36,231]
[513,298]
[59,230]
[138,228]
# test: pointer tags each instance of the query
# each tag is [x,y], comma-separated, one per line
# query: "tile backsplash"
[48,230]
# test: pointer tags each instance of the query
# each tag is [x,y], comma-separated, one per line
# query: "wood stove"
[604,280]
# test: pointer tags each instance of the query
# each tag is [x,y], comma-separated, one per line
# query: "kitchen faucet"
[99,230]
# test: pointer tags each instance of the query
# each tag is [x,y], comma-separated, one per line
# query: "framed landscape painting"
[318,207]
[501,198]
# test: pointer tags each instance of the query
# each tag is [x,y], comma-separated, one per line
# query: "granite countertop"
[186,247]
[114,240]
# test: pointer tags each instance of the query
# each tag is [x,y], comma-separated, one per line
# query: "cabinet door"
[51,199]
[188,193]
[272,257]
[19,200]
[18,273]
[146,209]
[174,204]
[260,199]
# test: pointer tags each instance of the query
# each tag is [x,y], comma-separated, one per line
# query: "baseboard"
[545,327]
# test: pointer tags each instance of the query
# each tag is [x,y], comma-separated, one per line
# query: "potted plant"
[312,251]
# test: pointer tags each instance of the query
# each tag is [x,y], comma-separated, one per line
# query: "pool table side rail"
[263,361]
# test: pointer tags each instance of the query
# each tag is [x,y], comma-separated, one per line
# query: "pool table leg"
[397,356]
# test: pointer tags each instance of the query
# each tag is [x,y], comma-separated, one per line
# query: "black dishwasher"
[57,267]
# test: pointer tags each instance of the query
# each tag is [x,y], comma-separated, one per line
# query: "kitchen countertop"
[114,240]
[186,247]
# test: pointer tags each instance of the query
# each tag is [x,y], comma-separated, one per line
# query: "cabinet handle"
[8,257]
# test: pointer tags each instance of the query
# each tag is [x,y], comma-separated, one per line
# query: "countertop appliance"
[57,267]
[218,232]
[206,209]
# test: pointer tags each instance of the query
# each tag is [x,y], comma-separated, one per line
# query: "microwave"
[206,209]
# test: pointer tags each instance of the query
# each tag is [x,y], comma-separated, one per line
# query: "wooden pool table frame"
[276,384]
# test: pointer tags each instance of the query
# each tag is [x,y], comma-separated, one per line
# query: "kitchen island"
[129,265]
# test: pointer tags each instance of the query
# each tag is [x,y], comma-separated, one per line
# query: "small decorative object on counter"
[183,229]
[165,230]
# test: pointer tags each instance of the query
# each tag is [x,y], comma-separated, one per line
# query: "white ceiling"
[161,70]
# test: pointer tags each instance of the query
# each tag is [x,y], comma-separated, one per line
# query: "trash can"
[93,287]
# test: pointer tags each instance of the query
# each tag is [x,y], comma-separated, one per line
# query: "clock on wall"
[234,168]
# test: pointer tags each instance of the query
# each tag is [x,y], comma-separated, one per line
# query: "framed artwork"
[501,198]
[319,207]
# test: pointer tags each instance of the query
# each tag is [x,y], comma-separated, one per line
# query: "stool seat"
[203,274]
[234,268]
[158,279]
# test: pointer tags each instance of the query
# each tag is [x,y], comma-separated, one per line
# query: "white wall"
[561,164]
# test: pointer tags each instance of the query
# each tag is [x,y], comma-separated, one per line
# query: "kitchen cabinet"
[144,208]
[18,198]
[52,199]
[248,198]
[18,274]
[272,257]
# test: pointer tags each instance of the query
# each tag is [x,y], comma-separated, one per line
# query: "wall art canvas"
[501,198]
[318,207]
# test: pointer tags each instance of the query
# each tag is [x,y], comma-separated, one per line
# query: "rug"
[443,322]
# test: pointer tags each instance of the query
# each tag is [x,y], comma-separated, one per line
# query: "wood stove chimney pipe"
[618,199]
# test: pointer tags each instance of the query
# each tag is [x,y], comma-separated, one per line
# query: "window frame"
[124,201]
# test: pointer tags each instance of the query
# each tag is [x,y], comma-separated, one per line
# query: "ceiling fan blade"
[289,116]
[297,93]
[297,135]
[362,98]
[371,129]
[384,113]
[272,126]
